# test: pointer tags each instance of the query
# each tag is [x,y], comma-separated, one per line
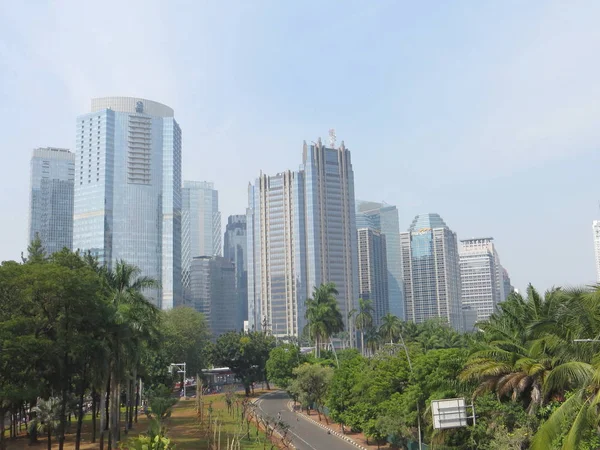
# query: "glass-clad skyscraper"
[235,244]
[372,271]
[128,190]
[384,218]
[431,271]
[200,225]
[51,198]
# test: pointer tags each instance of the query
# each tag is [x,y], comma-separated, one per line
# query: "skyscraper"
[200,225]
[212,282]
[235,243]
[51,198]
[277,287]
[384,217]
[128,190]
[372,271]
[431,271]
[596,230]
[301,233]
[482,276]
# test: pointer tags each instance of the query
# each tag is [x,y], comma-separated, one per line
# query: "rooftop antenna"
[332,138]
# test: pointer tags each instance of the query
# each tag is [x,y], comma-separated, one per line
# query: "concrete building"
[213,293]
[431,271]
[235,250]
[373,272]
[301,233]
[384,218]
[128,190]
[51,198]
[596,230]
[200,226]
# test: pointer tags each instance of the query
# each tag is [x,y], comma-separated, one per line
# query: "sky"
[486,112]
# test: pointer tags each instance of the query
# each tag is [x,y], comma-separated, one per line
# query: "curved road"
[305,434]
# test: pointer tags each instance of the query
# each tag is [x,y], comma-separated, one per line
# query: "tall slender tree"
[363,319]
[323,314]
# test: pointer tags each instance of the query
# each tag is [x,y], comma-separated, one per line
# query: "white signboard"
[449,413]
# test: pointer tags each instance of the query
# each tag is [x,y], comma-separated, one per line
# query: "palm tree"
[323,314]
[47,417]
[134,316]
[390,328]
[363,319]
[373,339]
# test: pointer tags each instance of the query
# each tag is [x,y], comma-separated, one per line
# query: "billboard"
[449,413]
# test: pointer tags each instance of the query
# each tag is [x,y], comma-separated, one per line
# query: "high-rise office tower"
[372,271]
[384,218]
[235,243]
[431,271]
[128,190]
[51,198]
[301,233]
[482,280]
[508,287]
[213,293]
[596,230]
[200,225]
[277,286]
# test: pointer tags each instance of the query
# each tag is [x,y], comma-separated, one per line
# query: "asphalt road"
[305,434]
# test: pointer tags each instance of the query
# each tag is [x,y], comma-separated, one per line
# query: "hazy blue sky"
[486,112]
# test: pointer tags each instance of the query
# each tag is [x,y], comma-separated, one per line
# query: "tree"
[185,338]
[390,328]
[323,314]
[47,419]
[364,319]
[245,354]
[311,384]
[281,364]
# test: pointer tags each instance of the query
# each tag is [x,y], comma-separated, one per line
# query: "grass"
[185,431]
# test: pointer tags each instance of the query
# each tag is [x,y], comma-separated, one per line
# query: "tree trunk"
[80,412]
[115,413]
[104,413]
[132,396]
[2,443]
[266,380]
[49,440]
[33,433]
[138,386]
[94,412]
[63,419]
[362,342]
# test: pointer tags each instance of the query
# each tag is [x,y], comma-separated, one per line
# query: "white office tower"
[596,229]
[431,271]
[482,276]
[128,190]
[301,233]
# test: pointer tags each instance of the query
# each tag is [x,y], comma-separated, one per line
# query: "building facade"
[51,198]
[384,217]
[235,244]
[596,231]
[200,226]
[128,190]
[431,271]
[482,283]
[213,293]
[301,233]
[373,272]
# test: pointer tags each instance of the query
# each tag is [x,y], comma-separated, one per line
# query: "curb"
[255,402]
[335,433]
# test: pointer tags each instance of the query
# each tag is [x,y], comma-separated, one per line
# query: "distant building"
[431,271]
[372,271]
[200,226]
[128,190]
[51,198]
[384,217]
[508,287]
[235,244]
[301,233]
[596,230]
[469,319]
[481,276]
[213,293]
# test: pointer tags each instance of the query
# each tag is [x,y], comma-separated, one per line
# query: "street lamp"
[180,369]
[418,409]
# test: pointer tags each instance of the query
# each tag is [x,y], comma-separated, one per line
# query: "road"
[305,434]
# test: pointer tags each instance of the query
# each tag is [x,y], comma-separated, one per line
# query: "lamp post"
[418,409]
